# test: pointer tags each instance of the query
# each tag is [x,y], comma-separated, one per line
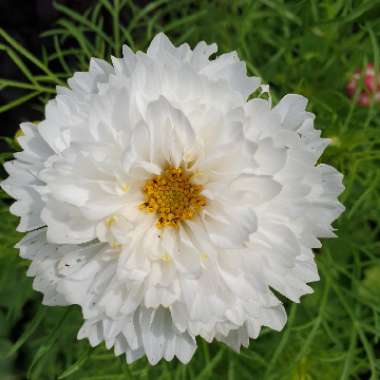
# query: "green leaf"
[13,43]
[29,331]
[77,365]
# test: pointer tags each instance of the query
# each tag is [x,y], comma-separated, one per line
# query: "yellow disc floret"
[173,197]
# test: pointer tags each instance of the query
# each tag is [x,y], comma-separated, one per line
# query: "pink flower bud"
[371,86]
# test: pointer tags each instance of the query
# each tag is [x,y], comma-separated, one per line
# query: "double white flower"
[167,205]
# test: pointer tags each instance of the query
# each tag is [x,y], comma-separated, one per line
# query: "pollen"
[173,197]
[115,245]
[110,221]
[166,258]
[204,256]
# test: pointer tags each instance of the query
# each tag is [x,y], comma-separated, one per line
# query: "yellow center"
[173,197]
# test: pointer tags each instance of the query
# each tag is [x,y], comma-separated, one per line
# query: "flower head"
[167,205]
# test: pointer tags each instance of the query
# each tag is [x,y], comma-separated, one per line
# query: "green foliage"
[309,47]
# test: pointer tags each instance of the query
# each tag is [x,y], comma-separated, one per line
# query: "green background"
[307,47]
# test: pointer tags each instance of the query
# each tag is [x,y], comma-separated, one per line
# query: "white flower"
[167,205]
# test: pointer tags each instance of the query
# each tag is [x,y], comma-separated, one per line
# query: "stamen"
[173,197]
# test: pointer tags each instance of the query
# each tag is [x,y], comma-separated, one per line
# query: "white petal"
[291,109]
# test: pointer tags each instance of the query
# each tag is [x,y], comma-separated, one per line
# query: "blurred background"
[326,50]
[25,22]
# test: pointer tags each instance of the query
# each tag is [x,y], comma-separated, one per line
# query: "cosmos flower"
[167,203]
[371,86]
